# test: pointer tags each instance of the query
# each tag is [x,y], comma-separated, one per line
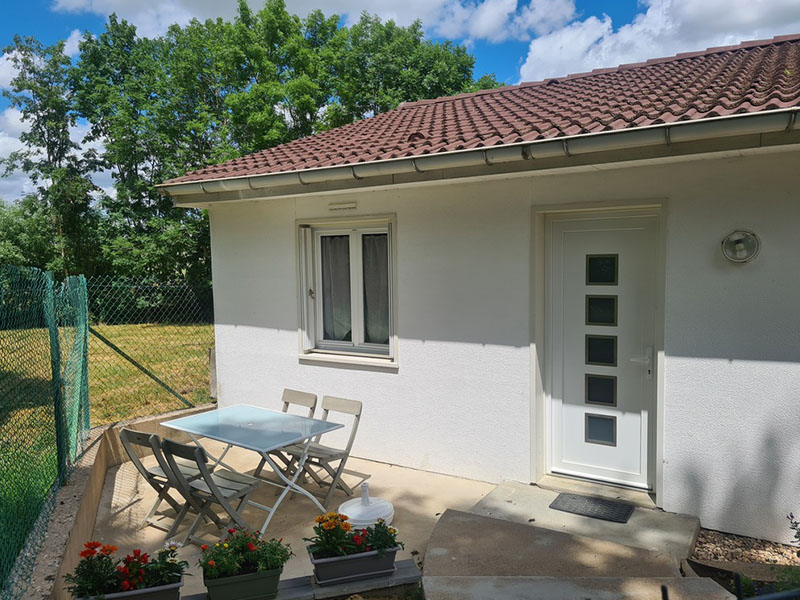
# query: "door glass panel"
[375,259]
[601,350]
[601,389]
[602,269]
[601,429]
[335,262]
[601,310]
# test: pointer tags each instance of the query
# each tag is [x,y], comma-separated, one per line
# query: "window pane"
[601,269]
[375,249]
[601,430]
[601,310]
[336,315]
[601,350]
[601,389]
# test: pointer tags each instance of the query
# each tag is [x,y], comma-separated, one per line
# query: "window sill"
[387,364]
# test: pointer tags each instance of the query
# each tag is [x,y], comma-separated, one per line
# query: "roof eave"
[666,133]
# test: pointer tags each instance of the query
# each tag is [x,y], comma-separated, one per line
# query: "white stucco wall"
[460,402]
[462,286]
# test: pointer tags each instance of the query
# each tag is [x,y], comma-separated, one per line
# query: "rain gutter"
[652,135]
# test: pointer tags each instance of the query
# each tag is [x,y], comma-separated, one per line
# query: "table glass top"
[251,427]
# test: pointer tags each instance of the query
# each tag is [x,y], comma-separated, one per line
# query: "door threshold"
[564,483]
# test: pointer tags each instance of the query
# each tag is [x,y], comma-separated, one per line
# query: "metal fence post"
[51,318]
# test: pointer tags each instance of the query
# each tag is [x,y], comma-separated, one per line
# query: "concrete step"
[649,529]
[585,588]
[465,544]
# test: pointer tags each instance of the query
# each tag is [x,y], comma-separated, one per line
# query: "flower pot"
[253,586]
[340,569]
[171,591]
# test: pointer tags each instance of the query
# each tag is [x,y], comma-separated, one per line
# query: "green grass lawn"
[176,354]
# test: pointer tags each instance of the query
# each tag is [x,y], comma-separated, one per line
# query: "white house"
[540,279]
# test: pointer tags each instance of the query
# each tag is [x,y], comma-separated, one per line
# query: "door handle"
[646,360]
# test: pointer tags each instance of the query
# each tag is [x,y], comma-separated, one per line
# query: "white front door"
[601,330]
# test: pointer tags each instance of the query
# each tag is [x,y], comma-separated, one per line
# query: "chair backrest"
[169,449]
[130,439]
[301,399]
[343,405]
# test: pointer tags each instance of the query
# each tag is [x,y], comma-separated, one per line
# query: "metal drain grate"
[596,508]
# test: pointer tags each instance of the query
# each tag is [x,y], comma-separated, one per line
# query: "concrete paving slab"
[465,544]
[647,529]
[546,588]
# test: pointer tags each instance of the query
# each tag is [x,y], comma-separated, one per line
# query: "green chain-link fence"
[44,411]
[150,346]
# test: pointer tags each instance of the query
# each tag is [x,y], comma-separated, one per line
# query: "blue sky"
[518,40]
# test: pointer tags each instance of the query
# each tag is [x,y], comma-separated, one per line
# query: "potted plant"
[100,575]
[243,566]
[341,553]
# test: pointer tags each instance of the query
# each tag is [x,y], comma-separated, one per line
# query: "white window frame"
[312,344]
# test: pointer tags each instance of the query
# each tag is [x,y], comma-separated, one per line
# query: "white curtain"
[336,315]
[375,260]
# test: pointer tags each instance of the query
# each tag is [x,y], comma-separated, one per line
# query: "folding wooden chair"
[290,397]
[319,465]
[155,476]
[221,487]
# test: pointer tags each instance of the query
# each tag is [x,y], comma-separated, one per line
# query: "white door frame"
[540,361]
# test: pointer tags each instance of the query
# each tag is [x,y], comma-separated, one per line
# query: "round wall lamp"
[741,246]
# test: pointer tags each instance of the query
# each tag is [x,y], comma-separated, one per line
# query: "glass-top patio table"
[260,430]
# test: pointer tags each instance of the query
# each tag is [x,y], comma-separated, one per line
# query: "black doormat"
[596,508]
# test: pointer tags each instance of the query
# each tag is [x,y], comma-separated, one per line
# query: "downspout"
[655,135]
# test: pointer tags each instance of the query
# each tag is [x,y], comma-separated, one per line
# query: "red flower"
[144,559]
[231,530]
[125,585]
[358,539]
[92,545]
[211,563]
[251,546]
[204,547]
[89,552]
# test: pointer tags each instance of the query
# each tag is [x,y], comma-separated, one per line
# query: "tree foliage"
[199,94]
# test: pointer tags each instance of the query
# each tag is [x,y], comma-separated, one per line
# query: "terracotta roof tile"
[751,77]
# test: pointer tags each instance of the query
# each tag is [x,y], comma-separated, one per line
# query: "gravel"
[715,545]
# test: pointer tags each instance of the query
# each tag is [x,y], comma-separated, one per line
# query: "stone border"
[73,519]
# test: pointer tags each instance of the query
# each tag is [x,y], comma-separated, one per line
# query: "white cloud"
[71,45]
[7,71]
[494,20]
[664,29]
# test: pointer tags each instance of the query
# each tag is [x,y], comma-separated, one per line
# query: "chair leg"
[336,482]
[178,520]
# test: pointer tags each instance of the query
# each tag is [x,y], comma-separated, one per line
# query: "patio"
[419,499]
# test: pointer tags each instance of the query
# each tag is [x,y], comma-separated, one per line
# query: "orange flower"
[108,549]
[346,526]
[319,518]
[211,563]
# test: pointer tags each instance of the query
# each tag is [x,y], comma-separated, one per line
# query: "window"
[347,283]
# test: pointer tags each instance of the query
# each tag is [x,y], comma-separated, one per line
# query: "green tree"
[49,156]
[383,64]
